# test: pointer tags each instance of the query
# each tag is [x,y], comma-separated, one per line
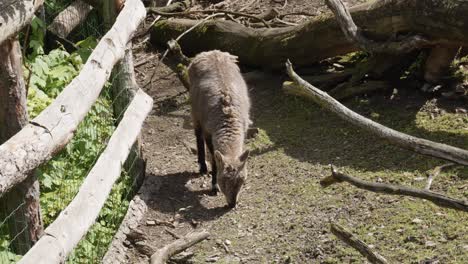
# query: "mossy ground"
[288,213]
[284,213]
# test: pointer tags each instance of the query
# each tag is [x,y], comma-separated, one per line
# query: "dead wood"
[435,172]
[182,63]
[321,37]
[354,34]
[69,18]
[210,11]
[419,145]
[162,255]
[357,244]
[436,198]
[438,62]
[178,6]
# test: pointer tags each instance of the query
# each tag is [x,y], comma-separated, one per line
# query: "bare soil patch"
[283,215]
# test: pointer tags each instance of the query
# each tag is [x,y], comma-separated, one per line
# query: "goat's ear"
[244,156]
[219,158]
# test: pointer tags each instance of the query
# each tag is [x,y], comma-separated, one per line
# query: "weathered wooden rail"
[14,15]
[44,136]
[72,224]
[49,132]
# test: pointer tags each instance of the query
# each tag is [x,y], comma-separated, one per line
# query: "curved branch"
[162,255]
[434,197]
[357,244]
[419,145]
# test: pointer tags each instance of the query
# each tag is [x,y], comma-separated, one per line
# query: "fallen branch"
[173,44]
[357,244]
[436,173]
[320,37]
[162,255]
[434,197]
[209,11]
[354,34]
[422,146]
[182,63]
[170,7]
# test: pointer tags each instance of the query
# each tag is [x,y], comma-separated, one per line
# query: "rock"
[150,223]
[144,248]
[430,244]
[136,235]
[416,221]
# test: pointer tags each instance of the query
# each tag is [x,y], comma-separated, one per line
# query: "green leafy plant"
[60,178]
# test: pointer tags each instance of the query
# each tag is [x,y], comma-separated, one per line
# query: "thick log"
[357,244]
[392,189]
[14,15]
[69,18]
[438,62]
[355,34]
[49,132]
[22,202]
[419,145]
[162,255]
[321,37]
[74,221]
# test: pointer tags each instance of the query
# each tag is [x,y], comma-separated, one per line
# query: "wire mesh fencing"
[61,177]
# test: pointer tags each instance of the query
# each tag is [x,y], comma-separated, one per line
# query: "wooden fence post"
[123,90]
[22,202]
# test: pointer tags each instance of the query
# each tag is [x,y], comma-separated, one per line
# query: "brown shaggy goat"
[220,113]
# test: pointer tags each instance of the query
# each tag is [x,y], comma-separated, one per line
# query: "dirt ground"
[284,215]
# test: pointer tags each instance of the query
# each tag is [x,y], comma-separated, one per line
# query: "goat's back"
[218,92]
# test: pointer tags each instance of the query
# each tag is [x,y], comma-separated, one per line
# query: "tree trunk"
[321,37]
[22,201]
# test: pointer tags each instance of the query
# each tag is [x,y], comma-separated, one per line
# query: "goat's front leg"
[214,170]
[201,149]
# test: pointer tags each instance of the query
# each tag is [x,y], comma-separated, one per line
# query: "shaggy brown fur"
[220,112]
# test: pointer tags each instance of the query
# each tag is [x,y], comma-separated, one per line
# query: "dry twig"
[434,197]
[435,172]
[357,244]
[210,11]
[162,255]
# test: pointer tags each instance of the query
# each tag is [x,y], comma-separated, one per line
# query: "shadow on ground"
[165,201]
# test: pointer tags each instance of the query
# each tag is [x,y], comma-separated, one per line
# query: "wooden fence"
[45,135]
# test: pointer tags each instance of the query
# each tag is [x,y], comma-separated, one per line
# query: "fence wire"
[61,177]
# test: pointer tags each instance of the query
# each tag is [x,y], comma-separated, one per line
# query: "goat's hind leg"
[214,170]
[201,149]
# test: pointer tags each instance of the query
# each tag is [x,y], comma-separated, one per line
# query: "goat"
[220,113]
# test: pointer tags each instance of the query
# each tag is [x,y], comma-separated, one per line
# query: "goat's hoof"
[214,191]
[203,170]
